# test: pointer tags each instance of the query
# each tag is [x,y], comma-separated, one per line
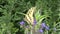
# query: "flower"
[43,25]
[22,22]
[35,22]
[46,27]
[41,31]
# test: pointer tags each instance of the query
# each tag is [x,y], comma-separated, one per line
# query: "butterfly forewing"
[29,16]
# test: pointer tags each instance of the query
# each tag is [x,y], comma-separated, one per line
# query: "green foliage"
[11,14]
[50,8]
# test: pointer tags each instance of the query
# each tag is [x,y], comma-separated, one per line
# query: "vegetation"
[46,17]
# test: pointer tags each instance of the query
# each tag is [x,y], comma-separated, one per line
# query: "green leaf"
[37,15]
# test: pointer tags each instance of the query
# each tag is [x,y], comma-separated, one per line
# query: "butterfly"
[29,16]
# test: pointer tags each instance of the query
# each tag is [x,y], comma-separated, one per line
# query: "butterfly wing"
[29,16]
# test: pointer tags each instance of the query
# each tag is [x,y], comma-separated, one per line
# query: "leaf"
[39,18]
[37,15]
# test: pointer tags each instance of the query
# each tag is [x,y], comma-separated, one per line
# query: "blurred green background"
[10,13]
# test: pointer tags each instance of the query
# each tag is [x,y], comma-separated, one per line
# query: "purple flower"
[43,25]
[22,22]
[47,28]
[35,22]
[41,31]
